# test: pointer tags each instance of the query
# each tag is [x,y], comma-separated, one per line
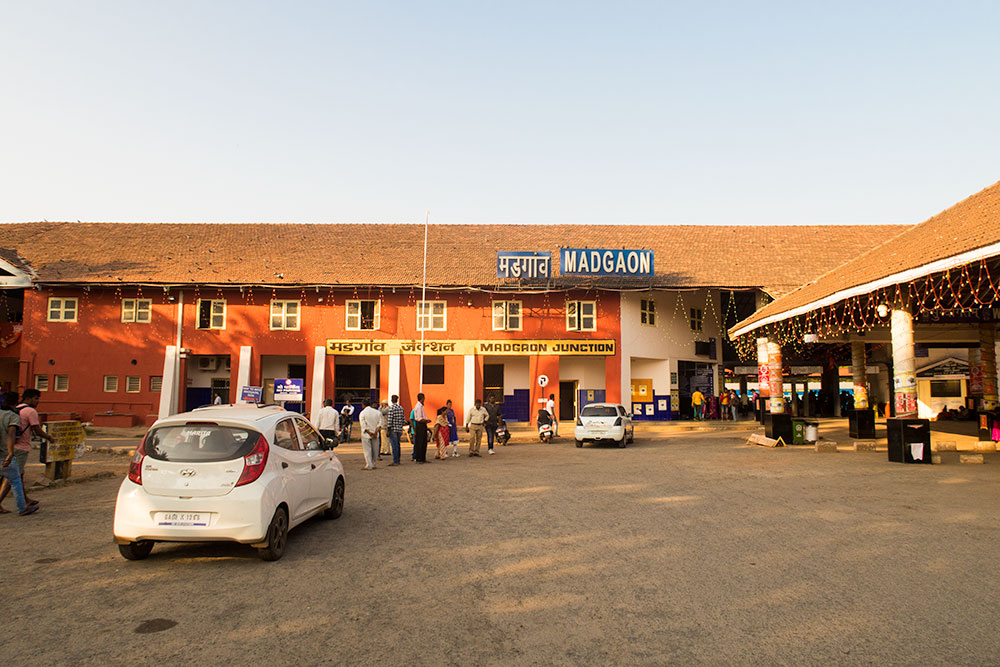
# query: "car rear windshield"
[600,411]
[199,442]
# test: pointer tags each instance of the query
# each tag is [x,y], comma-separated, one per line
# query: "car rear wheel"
[623,441]
[336,507]
[136,550]
[277,536]
[579,443]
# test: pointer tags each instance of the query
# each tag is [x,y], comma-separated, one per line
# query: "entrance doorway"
[693,375]
[567,400]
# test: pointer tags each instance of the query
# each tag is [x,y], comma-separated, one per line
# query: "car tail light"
[618,422]
[135,465]
[579,422]
[254,462]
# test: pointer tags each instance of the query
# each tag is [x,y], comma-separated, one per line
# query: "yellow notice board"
[69,435]
[642,390]
[494,347]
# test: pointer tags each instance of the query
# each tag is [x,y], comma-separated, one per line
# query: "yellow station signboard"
[370,347]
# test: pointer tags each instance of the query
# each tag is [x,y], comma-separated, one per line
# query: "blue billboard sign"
[605,262]
[289,389]
[521,264]
[251,394]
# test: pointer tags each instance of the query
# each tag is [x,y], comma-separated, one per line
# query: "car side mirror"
[330,443]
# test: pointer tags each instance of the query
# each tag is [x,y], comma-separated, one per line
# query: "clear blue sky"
[562,112]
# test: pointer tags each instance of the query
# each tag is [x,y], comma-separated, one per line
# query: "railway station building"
[121,323]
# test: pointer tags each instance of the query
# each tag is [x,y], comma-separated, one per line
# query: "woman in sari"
[441,433]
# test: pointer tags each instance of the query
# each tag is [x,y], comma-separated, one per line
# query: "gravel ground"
[686,549]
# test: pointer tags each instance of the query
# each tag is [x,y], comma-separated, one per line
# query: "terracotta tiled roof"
[969,225]
[777,259]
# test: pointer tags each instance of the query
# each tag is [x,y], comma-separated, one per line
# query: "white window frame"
[61,310]
[159,379]
[111,384]
[56,380]
[647,312]
[212,314]
[430,317]
[131,310]
[696,320]
[133,381]
[355,304]
[42,382]
[502,315]
[282,312]
[575,317]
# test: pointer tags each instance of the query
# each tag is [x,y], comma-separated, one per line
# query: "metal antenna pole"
[423,302]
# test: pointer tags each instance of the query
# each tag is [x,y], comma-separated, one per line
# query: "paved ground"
[680,549]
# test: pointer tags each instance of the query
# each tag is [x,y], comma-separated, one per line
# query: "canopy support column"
[904,377]
[859,372]
[988,350]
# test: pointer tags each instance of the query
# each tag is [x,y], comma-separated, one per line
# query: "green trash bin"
[798,431]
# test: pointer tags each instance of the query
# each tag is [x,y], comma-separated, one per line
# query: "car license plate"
[182,518]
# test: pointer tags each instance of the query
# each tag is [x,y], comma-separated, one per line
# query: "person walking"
[420,422]
[394,425]
[724,402]
[697,404]
[734,405]
[370,421]
[29,425]
[474,424]
[328,421]
[10,422]
[550,405]
[346,417]
[441,433]
[452,428]
[383,445]
[491,422]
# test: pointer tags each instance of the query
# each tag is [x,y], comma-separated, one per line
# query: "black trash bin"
[761,409]
[861,423]
[906,432]
[779,426]
[986,420]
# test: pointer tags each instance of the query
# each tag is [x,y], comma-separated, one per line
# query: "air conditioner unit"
[226,364]
[208,363]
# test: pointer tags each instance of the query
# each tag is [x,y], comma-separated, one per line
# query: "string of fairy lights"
[955,293]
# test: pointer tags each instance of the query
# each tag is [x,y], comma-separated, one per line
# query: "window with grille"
[432,316]
[155,382]
[212,313]
[133,384]
[61,383]
[42,382]
[581,316]
[506,315]
[62,309]
[647,312]
[696,319]
[137,310]
[110,383]
[285,315]
[363,314]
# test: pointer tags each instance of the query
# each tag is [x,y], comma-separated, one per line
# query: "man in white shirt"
[328,420]
[420,422]
[551,407]
[370,422]
[474,425]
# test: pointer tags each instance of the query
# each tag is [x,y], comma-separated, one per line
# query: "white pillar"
[468,386]
[859,373]
[763,370]
[394,375]
[168,386]
[319,379]
[775,384]
[243,371]
[904,376]
[987,344]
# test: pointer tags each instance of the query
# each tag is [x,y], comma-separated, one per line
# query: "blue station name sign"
[591,262]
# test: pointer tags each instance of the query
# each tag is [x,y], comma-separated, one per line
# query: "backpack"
[17,411]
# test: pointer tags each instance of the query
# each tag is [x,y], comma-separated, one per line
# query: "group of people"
[382,426]
[18,423]
[729,405]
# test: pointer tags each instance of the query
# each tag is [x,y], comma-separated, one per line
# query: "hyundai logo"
[188,472]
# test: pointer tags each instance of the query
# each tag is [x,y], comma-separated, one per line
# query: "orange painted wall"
[99,343]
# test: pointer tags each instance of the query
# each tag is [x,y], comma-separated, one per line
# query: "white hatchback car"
[604,421]
[238,473]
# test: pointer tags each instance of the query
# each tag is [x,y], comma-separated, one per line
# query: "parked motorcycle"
[545,430]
